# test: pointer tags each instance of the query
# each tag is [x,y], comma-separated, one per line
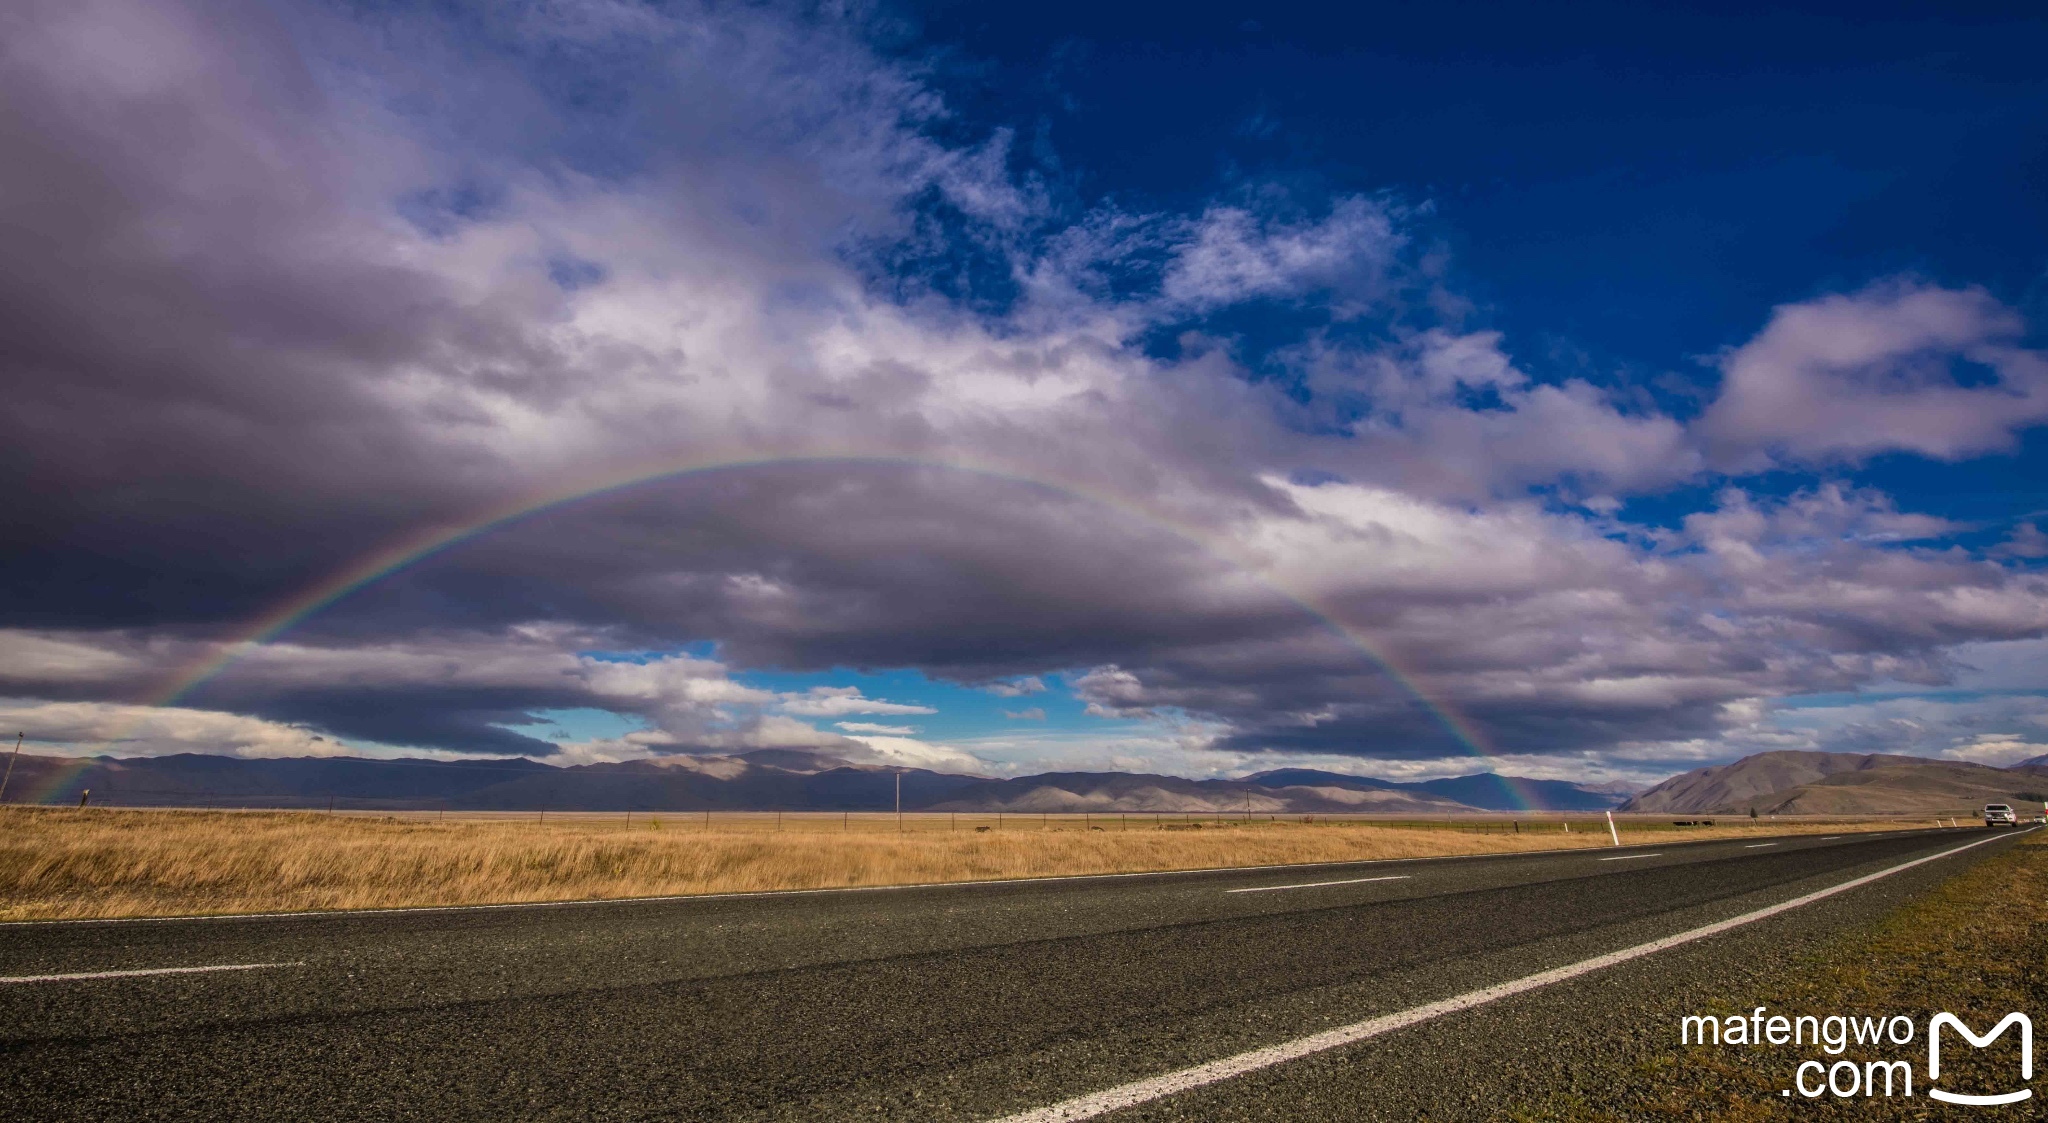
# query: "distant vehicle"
[2000,815]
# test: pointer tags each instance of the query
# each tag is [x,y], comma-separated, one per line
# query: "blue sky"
[1623,189]
[1585,391]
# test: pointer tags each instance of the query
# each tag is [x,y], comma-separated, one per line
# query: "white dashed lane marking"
[1317,884]
[1138,1092]
[82,976]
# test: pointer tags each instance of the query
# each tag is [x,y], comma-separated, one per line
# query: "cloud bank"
[293,284]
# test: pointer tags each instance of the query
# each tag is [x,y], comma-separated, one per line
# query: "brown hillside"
[1804,783]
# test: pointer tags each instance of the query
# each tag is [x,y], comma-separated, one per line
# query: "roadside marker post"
[1610,829]
[4,780]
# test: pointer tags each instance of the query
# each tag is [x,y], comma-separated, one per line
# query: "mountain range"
[763,780]
[1775,783]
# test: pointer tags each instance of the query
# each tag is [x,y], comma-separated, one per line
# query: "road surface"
[970,1002]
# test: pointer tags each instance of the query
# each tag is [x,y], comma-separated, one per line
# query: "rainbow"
[59,781]
[430,541]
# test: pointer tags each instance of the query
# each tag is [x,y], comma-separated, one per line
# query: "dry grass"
[109,863]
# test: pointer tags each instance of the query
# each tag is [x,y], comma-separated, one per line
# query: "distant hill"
[1124,791]
[764,780]
[1814,783]
[767,780]
[1486,791]
[788,780]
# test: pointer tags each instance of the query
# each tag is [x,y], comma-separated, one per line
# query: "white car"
[2000,815]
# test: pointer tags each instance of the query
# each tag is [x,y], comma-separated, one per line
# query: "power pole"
[899,801]
[10,766]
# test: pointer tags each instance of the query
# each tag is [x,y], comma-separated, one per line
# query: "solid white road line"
[1627,857]
[1145,1091]
[4,979]
[1318,884]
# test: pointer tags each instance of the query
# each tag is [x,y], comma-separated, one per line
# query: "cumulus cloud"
[1999,750]
[1449,413]
[1998,730]
[161,730]
[909,752]
[475,692]
[2026,541]
[405,270]
[832,701]
[1899,367]
[872,727]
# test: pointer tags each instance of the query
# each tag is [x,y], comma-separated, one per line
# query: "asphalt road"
[942,1003]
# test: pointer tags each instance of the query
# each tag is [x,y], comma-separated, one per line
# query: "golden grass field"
[111,863]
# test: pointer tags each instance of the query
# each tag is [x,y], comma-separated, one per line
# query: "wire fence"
[814,820]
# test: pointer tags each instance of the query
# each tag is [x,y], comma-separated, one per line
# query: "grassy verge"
[110,863]
[1977,947]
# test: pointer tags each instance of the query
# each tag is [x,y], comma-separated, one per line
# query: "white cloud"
[1845,377]
[872,727]
[2026,541]
[1989,729]
[730,316]
[74,728]
[909,752]
[1232,254]
[1999,750]
[1033,713]
[1112,691]
[834,701]
[1449,414]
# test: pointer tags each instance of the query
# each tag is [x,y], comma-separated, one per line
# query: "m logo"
[1934,1057]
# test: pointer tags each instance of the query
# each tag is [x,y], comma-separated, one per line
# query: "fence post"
[10,765]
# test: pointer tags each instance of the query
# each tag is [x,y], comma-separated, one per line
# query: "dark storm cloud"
[278,288]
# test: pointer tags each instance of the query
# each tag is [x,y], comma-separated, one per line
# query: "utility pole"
[899,801]
[10,766]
